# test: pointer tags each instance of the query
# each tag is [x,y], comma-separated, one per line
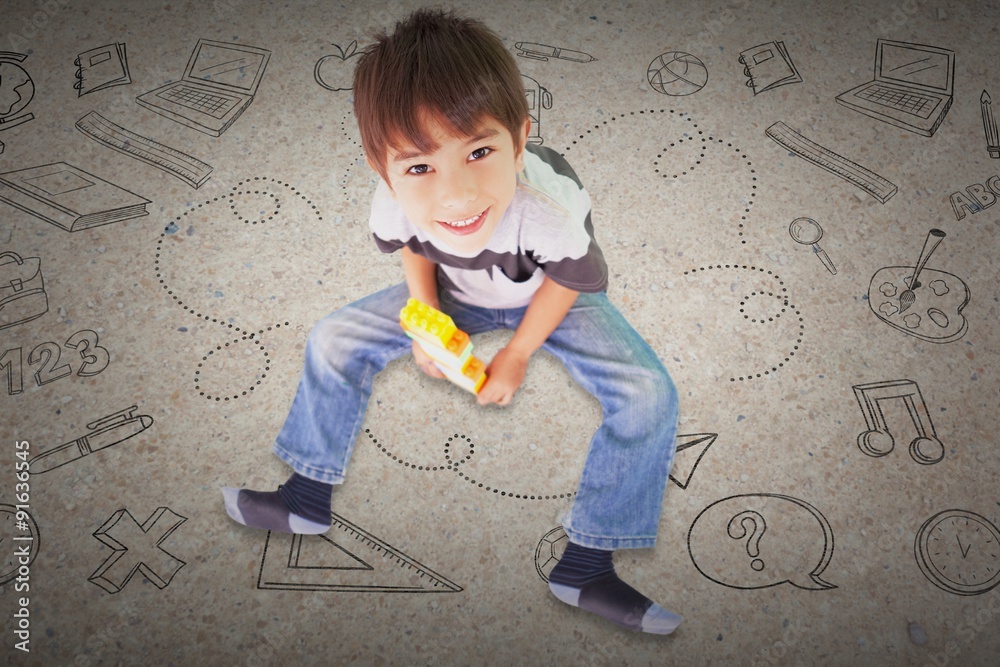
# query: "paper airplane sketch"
[677,74]
[808,232]
[929,309]
[538,98]
[218,85]
[16,90]
[762,540]
[912,89]
[990,126]
[345,559]
[101,68]
[191,170]
[543,52]
[684,465]
[69,197]
[137,549]
[333,72]
[875,185]
[959,552]
[768,66]
[877,440]
[101,434]
[22,290]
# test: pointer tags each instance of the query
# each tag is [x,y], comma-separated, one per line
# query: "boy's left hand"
[504,375]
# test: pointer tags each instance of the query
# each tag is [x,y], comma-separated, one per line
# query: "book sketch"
[768,66]
[100,68]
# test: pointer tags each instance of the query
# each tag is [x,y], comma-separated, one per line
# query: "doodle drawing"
[878,440]
[22,290]
[335,561]
[137,549]
[930,310]
[191,170]
[101,68]
[768,66]
[676,74]
[543,52]
[959,552]
[16,90]
[756,541]
[808,232]
[538,98]
[912,88]
[218,85]
[69,197]
[101,434]
[875,185]
[691,449]
[549,550]
[980,197]
[990,125]
[332,71]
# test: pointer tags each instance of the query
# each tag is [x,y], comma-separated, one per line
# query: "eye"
[418,169]
[480,153]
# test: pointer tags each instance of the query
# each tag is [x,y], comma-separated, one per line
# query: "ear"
[521,141]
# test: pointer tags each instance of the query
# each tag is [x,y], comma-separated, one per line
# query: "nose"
[458,189]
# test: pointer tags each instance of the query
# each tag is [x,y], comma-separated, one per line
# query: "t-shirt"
[546,231]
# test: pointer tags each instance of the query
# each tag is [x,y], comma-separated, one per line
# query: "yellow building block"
[433,326]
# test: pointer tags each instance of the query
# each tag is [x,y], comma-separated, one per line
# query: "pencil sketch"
[875,185]
[543,52]
[332,71]
[100,68]
[677,74]
[930,310]
[727,542]
[346,559]
[137,548]
[101,434]
[538,98]
[980,197]
[19,542]
[22,290]
[959,552]
[768,66]
[912,87]
[191,170]
[218,85]
[878,440]
[809,232]
[990,126]
[16,90]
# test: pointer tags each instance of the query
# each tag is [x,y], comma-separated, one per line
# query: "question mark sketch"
[799,545]
[756,531]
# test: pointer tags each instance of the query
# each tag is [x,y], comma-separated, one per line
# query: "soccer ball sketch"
[549,550]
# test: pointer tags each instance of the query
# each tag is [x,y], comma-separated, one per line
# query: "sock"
[586,578]
[300,505]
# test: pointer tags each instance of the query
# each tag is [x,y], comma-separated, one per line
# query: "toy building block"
[446,344]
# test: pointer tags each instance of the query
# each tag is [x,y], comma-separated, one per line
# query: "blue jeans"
[617,504]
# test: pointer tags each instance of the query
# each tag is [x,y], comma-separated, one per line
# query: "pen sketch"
[543,52]
[101,434]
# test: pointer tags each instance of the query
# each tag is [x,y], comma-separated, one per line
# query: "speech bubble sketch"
[755,541]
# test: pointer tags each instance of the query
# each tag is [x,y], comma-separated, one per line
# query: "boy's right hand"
[425,362]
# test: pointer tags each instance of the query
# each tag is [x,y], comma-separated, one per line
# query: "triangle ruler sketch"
[345,559]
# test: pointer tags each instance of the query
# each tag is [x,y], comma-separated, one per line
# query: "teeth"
[464,223]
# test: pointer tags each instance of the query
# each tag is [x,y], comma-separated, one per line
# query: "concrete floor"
[174,341]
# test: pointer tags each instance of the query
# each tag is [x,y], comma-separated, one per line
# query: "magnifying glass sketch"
[808,232]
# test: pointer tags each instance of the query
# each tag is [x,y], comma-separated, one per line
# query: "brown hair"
[456,69]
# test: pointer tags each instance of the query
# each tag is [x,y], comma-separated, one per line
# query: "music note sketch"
[877,440]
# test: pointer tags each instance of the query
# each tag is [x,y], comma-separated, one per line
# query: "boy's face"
[459,192]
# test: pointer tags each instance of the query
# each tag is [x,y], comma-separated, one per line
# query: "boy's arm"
[506,371]
[421,280]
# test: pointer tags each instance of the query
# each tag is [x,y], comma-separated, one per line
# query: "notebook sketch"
[912,88]
[218,85]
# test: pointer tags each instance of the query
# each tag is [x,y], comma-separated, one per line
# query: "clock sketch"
[959,551]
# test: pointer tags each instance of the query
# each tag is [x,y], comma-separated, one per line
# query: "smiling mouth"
[465,226]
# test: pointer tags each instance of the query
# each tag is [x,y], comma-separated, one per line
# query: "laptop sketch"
[218,85]
[912,88]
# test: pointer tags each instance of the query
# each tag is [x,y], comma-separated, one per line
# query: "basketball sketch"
[676,73]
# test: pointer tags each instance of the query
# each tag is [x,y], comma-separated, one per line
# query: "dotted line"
[642,112]
[454,465]
[347,124]
[785,306]
[173,227]
[704,141]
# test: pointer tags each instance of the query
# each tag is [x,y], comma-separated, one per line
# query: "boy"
[496,233]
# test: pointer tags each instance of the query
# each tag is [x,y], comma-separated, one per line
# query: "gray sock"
[267,510]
